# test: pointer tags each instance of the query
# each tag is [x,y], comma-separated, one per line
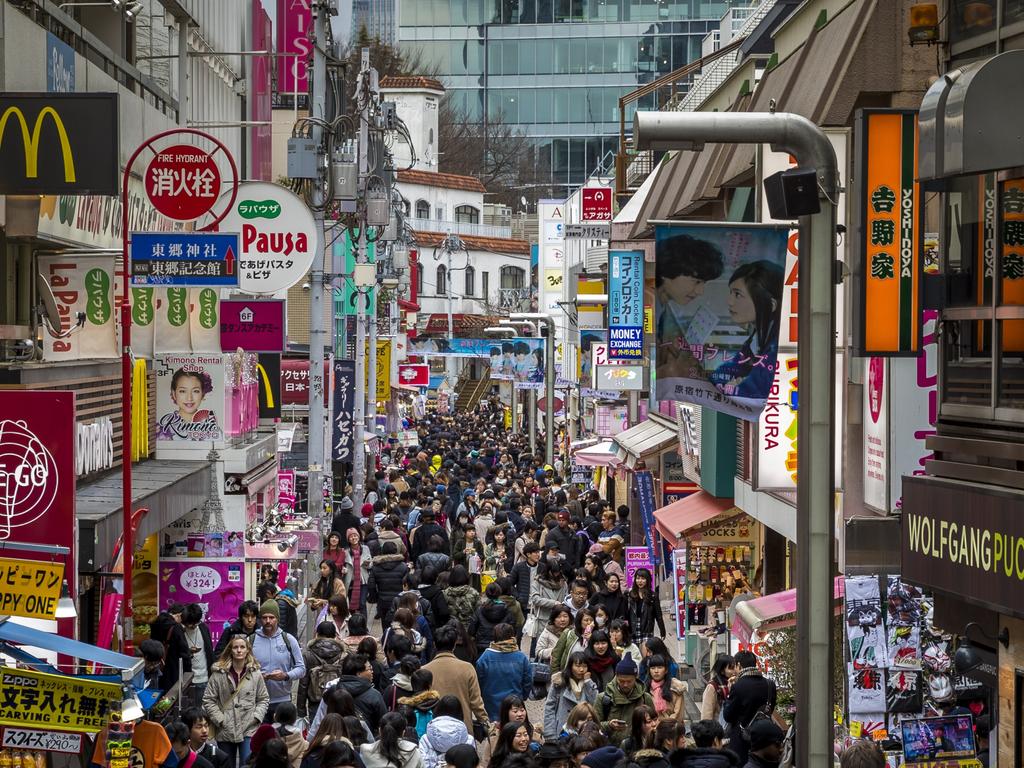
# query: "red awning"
[463,325]
[764,614]
[408,306]
[680,516]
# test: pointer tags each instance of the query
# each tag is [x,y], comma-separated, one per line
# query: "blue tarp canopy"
[19,634]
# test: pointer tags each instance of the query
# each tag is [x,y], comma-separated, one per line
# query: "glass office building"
[556,68]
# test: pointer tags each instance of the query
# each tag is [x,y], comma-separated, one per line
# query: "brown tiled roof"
[474,243]
[407,81]
[447,180]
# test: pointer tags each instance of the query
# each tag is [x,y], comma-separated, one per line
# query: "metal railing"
[460,228]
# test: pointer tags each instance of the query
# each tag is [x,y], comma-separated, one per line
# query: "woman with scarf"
[357,569]
[560,621]
[666,691]
[577,686]
[601,658]
[723,672]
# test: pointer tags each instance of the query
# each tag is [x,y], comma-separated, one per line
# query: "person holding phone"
[616,704]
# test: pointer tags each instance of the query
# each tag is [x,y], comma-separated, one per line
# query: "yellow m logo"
[31,141]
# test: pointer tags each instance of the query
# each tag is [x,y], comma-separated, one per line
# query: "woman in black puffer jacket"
[490,613]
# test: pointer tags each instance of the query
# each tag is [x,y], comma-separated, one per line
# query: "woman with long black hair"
[391,750]
[644,607]
[576,687]
[601,658]
[723,672]
[513,739]
[329,585]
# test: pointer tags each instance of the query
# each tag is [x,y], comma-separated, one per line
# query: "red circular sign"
[183,182]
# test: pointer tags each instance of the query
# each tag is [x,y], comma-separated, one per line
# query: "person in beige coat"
[236,698]
[457,678]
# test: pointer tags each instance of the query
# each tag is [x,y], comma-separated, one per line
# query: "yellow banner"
[55,701]
[144,586]
[29,588]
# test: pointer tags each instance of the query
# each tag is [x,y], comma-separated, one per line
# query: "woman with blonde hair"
[579,716]
[236,698]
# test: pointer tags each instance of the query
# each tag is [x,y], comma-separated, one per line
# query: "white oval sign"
[277,237]
[200,580]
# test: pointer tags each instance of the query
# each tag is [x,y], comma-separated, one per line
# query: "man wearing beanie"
[279,657]
[765,744]
[622,695]
[604,757]
[344,518]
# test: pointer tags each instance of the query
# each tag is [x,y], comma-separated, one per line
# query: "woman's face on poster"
[741,305]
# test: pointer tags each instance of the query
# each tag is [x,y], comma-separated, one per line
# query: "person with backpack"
[616,704]
[245,624]
[279,657]
[322,658]
[357,679]
[752,697]
[286,602]
[166,628]
[491,612]
[444,732]
[418,707]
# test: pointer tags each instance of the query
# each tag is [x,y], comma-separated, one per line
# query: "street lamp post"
[549,378]
[504,330]
[801,138]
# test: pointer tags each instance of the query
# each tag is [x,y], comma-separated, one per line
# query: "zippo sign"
[37,474]
[597,204]
[414,375]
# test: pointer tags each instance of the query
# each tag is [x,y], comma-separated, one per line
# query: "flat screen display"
[937,738]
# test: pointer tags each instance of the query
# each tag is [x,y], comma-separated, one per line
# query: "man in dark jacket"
[708,752]
[198,726]
[344,518]
[419,537]
[766,739]
[357,679]
[489,614]
[245,624]
[166,628]
[522,573]
[386,577]
[565,537]
[322,649]
[433,594]
[752,695]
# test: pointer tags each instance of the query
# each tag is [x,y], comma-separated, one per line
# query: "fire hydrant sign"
[184,258]
[279,237]
[183,182]
[29,588]
[55,702]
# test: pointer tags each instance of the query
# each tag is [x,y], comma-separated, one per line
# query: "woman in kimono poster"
[718,305]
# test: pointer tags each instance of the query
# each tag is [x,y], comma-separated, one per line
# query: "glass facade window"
[422,209]
[442,283]
[470,281]
[485,284]
[513,277]
[467,214]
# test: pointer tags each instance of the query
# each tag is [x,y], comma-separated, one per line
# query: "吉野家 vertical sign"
[890,254]
[626,305]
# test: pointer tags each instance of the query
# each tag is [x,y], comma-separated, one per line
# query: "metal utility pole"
[371,353]
[549,379]
[816,350]
[449,363]
[319,458]
[359,402]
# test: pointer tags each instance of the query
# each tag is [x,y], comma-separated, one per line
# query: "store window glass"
[510,58]
[559,157]
[1013,10]
[578,55]
[543,107]
[527,57]
[527,105]
[1011,364]
[494,53]
[458,13]
[545,11]
[967,362]
[1011,241]
[560,105]
[562,10]
[545,56]
[578,112]
[628,60]
[970,241]
[970,18]
[561,57]
[595,55]
[457,57]
[527,11]
[474,56]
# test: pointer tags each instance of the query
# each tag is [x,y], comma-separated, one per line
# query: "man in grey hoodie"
[279,657]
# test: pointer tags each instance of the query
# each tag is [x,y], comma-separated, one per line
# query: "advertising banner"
[217,587]
[37,475]
[295,381]
[255,326]
[886,232]
[645,500]
[81,284]
[383,369]
[269,369]
[414,375]
[278,237]
[719,291]
[518,359]
[48,741]
[624,378]
[626,305]
[589,316]
[189,397]
[294,19]
[144,586]
[636,558]
[29,588]
[286,490]
[679,593]
[343,430]
[57,702]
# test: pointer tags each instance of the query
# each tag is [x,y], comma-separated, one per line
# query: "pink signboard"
[286,487]
[37,478]
[216,586]
[259,96]
[255,326]
[294,19]
[636,558]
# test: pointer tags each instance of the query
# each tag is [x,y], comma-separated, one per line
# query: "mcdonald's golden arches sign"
[59,144]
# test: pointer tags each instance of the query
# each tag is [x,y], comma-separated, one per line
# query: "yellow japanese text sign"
[29,588]
[55,701]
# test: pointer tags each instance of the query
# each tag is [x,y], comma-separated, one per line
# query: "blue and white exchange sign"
[626,305]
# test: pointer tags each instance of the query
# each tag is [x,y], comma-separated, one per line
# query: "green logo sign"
[208,308]
[177,306]
[142,306]
[259,209]
[97,291]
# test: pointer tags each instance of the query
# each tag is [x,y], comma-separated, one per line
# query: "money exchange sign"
[626,305]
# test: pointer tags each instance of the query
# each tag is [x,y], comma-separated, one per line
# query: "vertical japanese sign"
[344,402]
[294,19]
[626,305]
[383,385]
[1011,245]
[679,592]
[890,257]
[645,499]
